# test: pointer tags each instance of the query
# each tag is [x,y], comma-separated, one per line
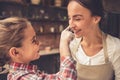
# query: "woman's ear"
[97,19]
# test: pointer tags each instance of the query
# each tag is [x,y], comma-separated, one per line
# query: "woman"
[97,53]
[19,46]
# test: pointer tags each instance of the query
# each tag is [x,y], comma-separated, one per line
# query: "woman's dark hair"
[95,6]
[11,35]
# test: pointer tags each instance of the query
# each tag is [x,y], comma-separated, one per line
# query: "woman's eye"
[77,19]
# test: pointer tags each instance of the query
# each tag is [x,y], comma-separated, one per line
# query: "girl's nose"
[40,43]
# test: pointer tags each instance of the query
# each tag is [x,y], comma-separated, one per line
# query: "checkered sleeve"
[67,71]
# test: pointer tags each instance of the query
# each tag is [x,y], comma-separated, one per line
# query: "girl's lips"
[38,51]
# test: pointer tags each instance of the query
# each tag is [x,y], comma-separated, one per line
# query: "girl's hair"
[11,35]
[95,6]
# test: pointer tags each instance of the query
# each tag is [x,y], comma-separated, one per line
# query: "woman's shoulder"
[113,39]
[113,43]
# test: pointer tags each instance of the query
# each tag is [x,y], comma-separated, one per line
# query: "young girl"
[19,46]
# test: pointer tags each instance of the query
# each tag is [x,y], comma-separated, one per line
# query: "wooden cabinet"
[37,14]
[8,9]
[48,21]
[33,12]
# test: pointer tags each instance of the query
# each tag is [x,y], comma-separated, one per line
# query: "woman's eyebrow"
[77,15]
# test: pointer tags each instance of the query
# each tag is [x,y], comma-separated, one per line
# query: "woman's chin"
[77,36]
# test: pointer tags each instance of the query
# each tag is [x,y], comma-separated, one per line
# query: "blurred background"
[49,18]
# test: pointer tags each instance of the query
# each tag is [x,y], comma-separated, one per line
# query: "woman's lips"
[76,31]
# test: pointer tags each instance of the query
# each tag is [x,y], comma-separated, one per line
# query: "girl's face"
[81,20]
[30,46]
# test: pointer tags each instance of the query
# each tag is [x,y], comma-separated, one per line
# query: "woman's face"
[80,19]
[30,46]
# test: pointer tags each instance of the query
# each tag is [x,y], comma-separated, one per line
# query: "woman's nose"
[71,23]
[72,26]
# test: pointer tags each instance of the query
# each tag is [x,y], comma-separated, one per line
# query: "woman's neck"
[92,38]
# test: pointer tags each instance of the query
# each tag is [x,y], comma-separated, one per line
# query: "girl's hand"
[66,37]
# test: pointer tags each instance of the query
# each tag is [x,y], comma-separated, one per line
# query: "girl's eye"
[35,41]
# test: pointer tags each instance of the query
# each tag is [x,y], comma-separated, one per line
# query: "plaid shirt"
[20,71]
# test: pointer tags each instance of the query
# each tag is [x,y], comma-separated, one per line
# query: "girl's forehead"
[29,31]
